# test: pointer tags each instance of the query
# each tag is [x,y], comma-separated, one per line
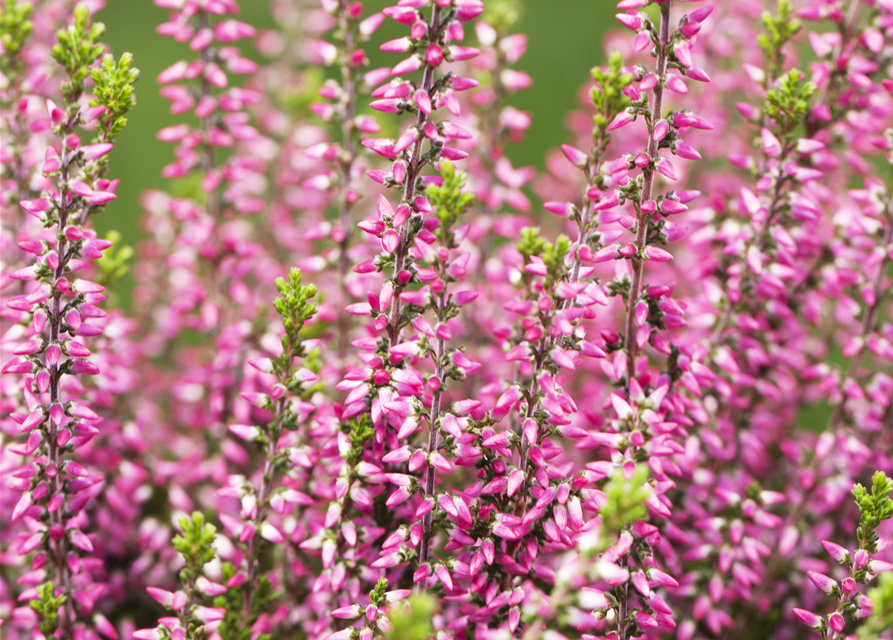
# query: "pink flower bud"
[822,581]
[809,618]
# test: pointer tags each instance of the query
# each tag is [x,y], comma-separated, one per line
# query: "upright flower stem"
[433,431]
[295,310]
[57,307]
[412,174]
[631,344]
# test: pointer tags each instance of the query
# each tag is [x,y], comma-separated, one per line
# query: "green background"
[564,44]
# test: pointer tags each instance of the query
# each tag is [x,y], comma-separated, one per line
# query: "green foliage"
[530,244]
[376,596]
[47,606]
[790,102]
[502,15]
[296,101]
[113,263]
[413,622]
[77,50]
[875,507]
[881,618]
[608,96]
[449,200]
[233,627]
[14,29]
[780,28]
[360,431]
[295,308]
[554,256]
[114,91]
[195,543]
[626,500]
[190,188]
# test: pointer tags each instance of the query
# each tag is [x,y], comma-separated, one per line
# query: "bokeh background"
[564,44]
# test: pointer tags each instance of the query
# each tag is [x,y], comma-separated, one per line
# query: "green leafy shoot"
[413,620]
[233,627]
[608,96]
[555,257]
[296,309]
[626,500]
[376,596]
[113,263]
[502,15]
[530,244]
[47,606]
[875,506]
[77,50]
[195,543]
[15,27]
[360,432]
[449,201]
[789,103]
[780,28]
[114,91]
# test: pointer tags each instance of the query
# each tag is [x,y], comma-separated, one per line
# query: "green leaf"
[412,621]
[77,50]
[294,305]
[875,506]
[14,29]
[195,543]
[626,500]
[449,200]
[608,96]
[114,91]
[113,263]
[47,606]
[780,28]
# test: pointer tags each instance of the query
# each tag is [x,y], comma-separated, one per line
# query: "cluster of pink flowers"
[378,382]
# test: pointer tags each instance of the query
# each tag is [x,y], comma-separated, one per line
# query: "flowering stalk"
[192,21]
[788,103]
[57,309]
[289,411]
[191,620]
[426,42]
[875,506]
[450,203]
[653,113]
[351,60]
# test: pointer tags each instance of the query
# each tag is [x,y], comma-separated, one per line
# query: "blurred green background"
[564,44]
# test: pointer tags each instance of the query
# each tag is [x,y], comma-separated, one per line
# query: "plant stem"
[647,187]
[412,174]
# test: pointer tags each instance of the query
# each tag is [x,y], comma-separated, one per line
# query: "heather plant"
[52,315]
[408,389]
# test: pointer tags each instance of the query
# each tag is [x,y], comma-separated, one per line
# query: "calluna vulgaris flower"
[379,381]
